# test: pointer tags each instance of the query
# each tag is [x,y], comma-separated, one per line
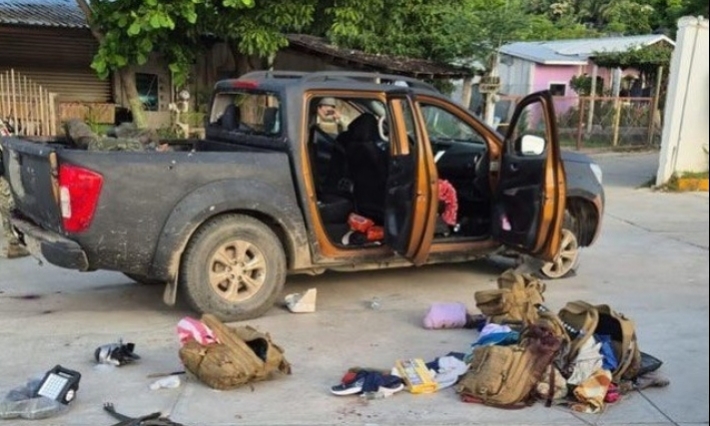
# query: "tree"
[255,34]
[128,31]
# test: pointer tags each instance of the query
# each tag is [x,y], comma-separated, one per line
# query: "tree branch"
[84,6]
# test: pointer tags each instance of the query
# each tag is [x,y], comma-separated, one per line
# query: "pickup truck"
[223,220]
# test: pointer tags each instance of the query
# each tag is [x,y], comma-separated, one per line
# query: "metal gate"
[27,107]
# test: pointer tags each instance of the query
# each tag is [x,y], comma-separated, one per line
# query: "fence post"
[580,123]
[52,115]
[14,98]
[654,105]
[617,121]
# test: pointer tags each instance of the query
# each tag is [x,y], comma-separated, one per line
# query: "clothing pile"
[583,356]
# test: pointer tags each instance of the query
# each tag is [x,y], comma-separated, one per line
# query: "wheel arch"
[278,211]
[587,218]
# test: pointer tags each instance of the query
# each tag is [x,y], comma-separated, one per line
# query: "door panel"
[409,210]
[399,210]
[529,200]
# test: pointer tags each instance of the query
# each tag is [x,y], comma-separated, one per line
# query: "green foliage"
[133,29]
[646,59]
[582,85]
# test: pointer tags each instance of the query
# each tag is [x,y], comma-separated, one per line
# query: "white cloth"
[450,369]
[588,361]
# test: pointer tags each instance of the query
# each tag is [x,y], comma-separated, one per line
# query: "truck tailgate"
[31,170]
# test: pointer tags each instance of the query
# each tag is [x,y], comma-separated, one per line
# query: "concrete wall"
[684,141]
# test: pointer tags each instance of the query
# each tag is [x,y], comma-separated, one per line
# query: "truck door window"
[244,112]
[460,153]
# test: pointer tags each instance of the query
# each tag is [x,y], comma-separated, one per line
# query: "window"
[254,113]
[147,85]
[442,125]
[558,89]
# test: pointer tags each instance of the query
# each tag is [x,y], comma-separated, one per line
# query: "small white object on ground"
[170,382]
[298,303]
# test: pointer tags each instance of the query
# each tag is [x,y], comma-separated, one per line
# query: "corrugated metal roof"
[576,52]
[46,13]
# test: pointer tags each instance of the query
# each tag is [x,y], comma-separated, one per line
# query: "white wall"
[685,129]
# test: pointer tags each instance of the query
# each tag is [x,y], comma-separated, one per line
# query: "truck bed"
[140,191]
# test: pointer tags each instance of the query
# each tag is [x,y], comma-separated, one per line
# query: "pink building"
[526,67]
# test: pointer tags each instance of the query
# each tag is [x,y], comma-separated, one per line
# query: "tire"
[143,280]
[215,278]
[568,260]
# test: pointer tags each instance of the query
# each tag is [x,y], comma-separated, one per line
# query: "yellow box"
[416,375]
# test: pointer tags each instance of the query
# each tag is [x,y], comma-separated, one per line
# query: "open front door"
[529,202]
[409,211]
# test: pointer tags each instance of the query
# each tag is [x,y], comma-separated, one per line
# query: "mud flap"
[170,292]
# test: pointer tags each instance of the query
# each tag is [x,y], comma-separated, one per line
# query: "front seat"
[230,117]
[272,125]
[367,166]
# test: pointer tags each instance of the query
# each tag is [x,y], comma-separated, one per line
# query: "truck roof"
[281,80]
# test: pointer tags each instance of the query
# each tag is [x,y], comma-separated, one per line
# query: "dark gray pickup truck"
[412,178]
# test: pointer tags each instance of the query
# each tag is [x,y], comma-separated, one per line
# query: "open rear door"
[529,202]
[410,211]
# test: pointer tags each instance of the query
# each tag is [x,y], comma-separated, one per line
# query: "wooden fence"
[26,106]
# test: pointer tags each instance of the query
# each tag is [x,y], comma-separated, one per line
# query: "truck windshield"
[247,112]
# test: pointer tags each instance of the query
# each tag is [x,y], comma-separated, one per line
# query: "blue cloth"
[609,361]
[501,339]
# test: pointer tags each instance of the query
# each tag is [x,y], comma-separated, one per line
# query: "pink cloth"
[445,315]
[447,195]
[192,329]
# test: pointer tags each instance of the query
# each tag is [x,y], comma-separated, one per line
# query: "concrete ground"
[651,263]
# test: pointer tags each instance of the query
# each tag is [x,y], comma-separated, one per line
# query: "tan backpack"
[243,355]
[515,300]
[589,319]
[505,376]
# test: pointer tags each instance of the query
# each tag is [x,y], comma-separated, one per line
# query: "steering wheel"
[381,129]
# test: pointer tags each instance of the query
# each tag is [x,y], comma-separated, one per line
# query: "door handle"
[513,167]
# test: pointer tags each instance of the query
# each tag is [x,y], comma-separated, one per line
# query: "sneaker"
[350,388]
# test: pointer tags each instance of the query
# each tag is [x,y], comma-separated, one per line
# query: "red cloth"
[447,195]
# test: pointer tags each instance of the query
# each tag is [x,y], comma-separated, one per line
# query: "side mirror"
[531,145]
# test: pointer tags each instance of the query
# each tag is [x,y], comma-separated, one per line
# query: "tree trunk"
[128,83]
[125,74]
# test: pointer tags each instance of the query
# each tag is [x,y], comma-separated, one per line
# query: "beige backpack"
[591,319]
[515,300]
[505,376]
[243,355]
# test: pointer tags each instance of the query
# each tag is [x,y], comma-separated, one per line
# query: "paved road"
[651,262]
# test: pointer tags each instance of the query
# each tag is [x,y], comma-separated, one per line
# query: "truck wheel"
[234,267]
[143,280]
[568,259]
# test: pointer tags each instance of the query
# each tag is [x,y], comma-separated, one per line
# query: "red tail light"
[79,190]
